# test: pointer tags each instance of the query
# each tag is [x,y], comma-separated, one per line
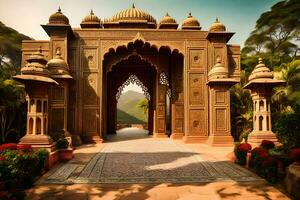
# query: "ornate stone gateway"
[191,68]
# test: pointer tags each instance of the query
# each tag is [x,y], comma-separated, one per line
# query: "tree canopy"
[276,36]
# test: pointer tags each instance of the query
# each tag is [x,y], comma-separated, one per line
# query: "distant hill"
[128,112]
[10,45]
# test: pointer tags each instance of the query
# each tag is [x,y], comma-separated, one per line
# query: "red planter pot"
[65,154]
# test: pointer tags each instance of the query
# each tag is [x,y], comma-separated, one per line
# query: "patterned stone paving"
[147,160]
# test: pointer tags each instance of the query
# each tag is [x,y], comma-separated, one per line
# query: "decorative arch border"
[112,46]
[127,57]
[133,79]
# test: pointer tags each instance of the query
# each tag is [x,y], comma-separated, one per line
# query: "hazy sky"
[238,15]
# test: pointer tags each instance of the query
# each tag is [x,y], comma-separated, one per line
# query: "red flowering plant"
[270,168]
[241,151]
[267,144]
[295,155]
[11,146]
[24,147]
[257,154]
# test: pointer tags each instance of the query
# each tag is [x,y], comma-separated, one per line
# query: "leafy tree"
[143,104]
[12,103]
[276,35]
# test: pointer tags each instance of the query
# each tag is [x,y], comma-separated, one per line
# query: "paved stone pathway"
[134,157]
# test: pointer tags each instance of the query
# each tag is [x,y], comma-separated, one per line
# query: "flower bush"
[267,144]
[19,165]
[241,151]
[295,155]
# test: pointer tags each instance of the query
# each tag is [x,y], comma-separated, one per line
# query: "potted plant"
[64,151]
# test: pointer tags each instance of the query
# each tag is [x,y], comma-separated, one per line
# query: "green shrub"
[287,128]
[62,143]
[42,155]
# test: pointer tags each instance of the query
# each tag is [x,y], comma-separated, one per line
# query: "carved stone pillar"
[160,113]
[219,115]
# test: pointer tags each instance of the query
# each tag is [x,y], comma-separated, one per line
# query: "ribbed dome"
[133,15]
[167,22]
[36,65]
[261,71]
[217,26]
[58,67]
[91,21]
[191,23]
[218,71]
[58,18]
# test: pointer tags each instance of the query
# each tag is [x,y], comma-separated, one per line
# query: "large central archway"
[159,71]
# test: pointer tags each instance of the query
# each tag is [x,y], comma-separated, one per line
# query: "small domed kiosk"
[261,82]
[91,21]
[191,23]
[167,22]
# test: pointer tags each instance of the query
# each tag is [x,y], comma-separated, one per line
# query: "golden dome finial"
[92,12]
[133,6]
[167,15]
[190,14]
[260,60]
[217,20]
[59,10]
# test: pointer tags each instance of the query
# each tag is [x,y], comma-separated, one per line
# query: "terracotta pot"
[65,154]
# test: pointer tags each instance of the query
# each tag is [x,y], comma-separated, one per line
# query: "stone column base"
[38,141]
[195,139]
[256,137]
[177,136]
[220,140]
[160,135]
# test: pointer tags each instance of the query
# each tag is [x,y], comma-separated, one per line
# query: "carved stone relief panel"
[196,89]
[220,97]
[59,44]
[179,110]
[221,119]
[179,125]
[161,125]
[90,88]
[197,59]
[197,122]
[90,58]
[219,52]
[161,109]
[89,120]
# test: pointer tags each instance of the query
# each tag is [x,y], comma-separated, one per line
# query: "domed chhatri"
[167,22]
[218,71]
[35,69]
[58,18]
[58,67]
[217,26]
[91,21]
[191,23]
[131,18]
[261,71]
